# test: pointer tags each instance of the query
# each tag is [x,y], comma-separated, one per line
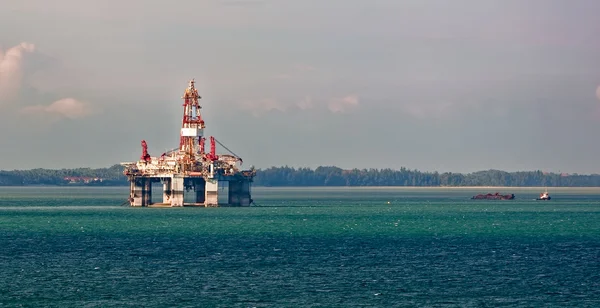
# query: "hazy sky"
[461,85]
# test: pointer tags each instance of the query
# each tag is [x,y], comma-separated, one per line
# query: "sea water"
[301,247]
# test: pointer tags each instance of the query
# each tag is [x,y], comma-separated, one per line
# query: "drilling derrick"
[189,168]
[192,125]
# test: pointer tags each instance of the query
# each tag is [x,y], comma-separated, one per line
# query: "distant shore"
[324,176]
[491,189]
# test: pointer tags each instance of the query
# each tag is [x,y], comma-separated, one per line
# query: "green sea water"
[302,247]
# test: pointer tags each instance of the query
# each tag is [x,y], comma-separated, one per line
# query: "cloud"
[11,69]
[64,108]
[261,106]
[598,92]
[344,104]
[13,75]
[305,103]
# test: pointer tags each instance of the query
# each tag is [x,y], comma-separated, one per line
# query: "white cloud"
[305,103]
[64,108]
[11,69]
[12,78]
[260,106]
[343,104]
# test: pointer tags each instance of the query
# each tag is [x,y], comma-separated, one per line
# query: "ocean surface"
[302,247]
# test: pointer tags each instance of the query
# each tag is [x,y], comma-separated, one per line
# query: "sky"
[433,85]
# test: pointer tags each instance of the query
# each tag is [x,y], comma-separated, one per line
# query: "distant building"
[82,180]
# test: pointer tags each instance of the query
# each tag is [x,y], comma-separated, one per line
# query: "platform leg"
[167,191]
[211,193]
[199,188]
[177,190]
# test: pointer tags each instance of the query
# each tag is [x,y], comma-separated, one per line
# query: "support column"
[199,188]
[235,188]
[140,191]
[211,193]
[244,193]
[135,191]
[167,191]
[147,192]
[177,189]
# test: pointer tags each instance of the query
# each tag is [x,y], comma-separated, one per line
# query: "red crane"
[202,139]
[145,156]
[212,155]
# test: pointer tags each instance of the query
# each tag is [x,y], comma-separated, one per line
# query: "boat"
[544,196]
[496,196]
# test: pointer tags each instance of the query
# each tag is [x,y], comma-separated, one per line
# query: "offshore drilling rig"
[189,169]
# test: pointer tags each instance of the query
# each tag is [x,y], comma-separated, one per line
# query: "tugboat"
[496,196]
[544,196]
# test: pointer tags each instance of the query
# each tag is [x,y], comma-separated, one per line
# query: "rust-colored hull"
[496,196]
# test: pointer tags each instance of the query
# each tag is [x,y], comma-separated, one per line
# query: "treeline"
[112,176]
[321,176]
[334,176]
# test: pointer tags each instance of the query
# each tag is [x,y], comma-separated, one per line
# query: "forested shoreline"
[321,176]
